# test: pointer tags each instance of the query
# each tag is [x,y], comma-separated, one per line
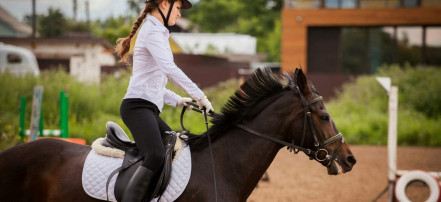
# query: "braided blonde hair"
[123,44]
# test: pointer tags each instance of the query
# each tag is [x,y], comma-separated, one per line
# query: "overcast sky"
[99,9]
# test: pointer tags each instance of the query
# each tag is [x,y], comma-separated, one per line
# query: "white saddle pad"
[98,168]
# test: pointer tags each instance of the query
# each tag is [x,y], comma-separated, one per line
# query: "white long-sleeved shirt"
[153,65]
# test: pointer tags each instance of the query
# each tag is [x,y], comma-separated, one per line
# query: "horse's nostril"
[350,159]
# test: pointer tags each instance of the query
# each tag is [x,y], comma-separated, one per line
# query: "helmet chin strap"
[168,15]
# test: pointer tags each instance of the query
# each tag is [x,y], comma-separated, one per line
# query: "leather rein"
[291,146]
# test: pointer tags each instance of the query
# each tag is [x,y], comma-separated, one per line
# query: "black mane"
[261,85]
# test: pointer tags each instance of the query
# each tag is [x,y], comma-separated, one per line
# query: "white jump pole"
[391,132]
[392,139]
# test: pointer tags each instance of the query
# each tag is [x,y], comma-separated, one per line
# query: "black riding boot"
[138,185]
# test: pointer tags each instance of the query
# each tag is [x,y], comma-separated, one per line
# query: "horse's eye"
[324,118]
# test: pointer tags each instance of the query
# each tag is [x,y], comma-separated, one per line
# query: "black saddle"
[117,138]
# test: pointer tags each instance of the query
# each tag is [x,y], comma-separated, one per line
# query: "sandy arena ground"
[296,178]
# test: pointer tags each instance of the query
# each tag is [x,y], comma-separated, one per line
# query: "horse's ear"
[302,82]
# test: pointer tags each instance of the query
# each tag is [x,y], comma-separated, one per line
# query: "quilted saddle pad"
[97,168]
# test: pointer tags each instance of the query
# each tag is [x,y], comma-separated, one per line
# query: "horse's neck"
[240,160]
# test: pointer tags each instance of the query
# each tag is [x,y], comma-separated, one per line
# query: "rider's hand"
[183,102]
[203,102]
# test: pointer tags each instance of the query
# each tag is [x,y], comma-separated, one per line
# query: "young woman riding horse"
[258,120]
[152,66]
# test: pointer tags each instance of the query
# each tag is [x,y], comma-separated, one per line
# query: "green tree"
[53,24]
[258,18]
[135,6]
[79,26]
[112,28]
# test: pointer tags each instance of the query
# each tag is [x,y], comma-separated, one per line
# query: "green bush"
[420,88]
[360,109]
[90,105]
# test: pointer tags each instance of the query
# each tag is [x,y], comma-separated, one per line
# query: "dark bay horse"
[262,116]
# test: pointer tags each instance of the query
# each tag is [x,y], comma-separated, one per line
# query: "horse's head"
[319,137]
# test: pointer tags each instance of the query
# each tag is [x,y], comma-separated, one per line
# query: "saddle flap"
[117,137]
[169,143]
[132,161]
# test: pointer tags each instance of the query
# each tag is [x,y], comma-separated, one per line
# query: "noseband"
[292,147]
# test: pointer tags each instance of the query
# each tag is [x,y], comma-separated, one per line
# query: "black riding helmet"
[185,5]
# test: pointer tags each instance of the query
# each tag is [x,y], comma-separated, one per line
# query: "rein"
[292,147]
[195,107]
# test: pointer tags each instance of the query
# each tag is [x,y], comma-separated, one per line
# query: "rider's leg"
[141,117]
[163,127]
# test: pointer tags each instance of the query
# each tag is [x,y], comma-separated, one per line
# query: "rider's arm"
[158,47]
[171,98]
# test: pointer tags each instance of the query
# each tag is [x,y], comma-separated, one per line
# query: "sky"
[99,9]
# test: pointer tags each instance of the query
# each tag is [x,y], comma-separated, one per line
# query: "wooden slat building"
[336,39]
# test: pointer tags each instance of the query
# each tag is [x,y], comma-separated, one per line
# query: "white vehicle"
[17,60]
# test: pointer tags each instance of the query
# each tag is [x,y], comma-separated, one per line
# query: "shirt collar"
[158,23]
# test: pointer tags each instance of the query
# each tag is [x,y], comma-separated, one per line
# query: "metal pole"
[88,17]
[22,117]
[64,128]
[34,25]
[66,114]
[40,128]
[75,10]
[424,47]
[392,139]
[34,19]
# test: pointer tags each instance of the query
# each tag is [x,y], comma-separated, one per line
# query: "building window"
[14,58]
[301,4]
[411,3]
[348,4]
[409,45]
[354,49]
[432,50]
[362,50]
[332,4]
[340,4]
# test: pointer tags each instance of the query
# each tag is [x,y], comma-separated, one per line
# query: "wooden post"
[36,110]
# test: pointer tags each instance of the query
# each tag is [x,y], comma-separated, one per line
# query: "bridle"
[292,147]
